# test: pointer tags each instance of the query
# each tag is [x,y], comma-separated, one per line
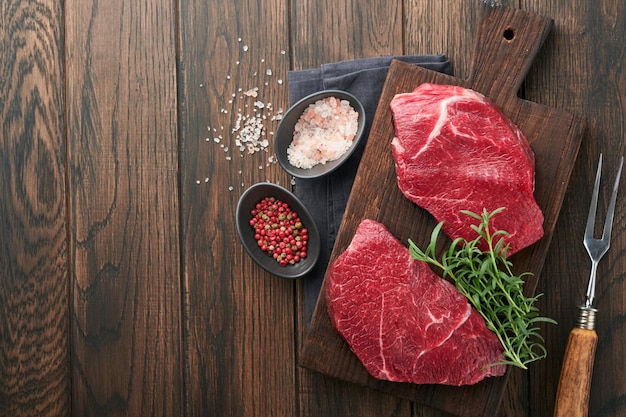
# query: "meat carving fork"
[572,397]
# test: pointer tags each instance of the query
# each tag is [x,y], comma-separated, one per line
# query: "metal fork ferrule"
[587,318]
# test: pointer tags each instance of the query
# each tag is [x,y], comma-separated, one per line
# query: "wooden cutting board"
[505,45]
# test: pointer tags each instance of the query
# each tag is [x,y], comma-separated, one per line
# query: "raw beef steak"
[402,321]
[454,150]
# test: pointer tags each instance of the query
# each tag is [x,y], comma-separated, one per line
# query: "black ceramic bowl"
[284,134]
[247,202]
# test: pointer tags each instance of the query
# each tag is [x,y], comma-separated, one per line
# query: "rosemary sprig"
[485,278]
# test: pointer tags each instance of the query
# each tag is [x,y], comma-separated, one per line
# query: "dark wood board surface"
[123,204]
[505,45]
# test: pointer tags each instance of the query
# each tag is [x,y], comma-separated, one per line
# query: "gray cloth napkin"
[326,197]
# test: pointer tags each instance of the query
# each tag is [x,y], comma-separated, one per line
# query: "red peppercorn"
[279,231]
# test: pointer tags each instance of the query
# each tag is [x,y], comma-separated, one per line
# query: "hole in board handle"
[508,34]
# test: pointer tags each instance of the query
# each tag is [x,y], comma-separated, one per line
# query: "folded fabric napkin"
[326,197]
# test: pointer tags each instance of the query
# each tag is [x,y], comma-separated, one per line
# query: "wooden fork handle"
[572,396]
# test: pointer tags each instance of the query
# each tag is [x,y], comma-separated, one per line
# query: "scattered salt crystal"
[230,188]
[206,179]
[248,134]
[197,181]
[238,39]
[253,92]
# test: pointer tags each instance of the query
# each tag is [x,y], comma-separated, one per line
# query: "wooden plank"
[123,176]
[442,27]
[325,32]
[499,65]
[239,321]
[580,70]
[34,344]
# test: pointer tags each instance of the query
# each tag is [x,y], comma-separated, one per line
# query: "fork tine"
[608,223]
[591,217]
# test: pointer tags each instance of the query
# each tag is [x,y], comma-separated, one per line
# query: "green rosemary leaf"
[484,277]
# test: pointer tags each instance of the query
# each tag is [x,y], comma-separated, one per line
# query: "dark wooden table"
[123,288]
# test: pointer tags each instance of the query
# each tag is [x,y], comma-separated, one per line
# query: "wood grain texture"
[452,35]
[572,395]
[554,156]
[582,70]
[123,184]
[329,31]
[34,341]
[239,321]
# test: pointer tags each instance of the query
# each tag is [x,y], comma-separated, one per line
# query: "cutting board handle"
[504,48]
